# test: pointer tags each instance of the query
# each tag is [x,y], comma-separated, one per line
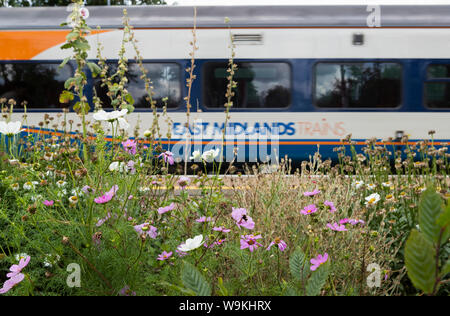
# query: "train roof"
[240,16]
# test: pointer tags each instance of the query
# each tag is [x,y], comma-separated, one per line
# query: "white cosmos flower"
[210,155]
[372,199]
[123,124]
[191,244]
[196,155]
[117,166]
[357,184]
[10,128]
[20,256]
[109,116]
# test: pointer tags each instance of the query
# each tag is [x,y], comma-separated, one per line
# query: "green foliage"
[194,280]
[318,279]
[423,248]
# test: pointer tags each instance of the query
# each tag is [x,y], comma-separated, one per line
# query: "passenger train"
[307,75]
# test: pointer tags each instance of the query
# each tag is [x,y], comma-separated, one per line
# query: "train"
[307,75]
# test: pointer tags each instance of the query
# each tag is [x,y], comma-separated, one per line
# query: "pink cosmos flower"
[48,203]
[165,209]
[130,146]
[17,268]
[87,189]
[183,181]
[221,229]
[317,261]
[331,205]
[164,256]
[15,276]
[168,157]
[203,219]
[146,229]
[249,241]
[130,167]
[356,221]
[315,192]
[10,283]
[344,221]
[337,227]
[103,220]
[125,291]
[107,196]
[241,218]
[310,209]
[280,243]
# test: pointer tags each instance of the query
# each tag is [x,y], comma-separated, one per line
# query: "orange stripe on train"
[24,45]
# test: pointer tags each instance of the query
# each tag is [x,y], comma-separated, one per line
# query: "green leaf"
[290,291]
[178,288]
[95,69]
[445,269]
[420,261]
[69,82]
[71,36]
[296,264]
[81,45]
[66,97]
[194,280]
[318,279]
[64,62]
[222,289]
[430,208]
[129,99]
[66,46]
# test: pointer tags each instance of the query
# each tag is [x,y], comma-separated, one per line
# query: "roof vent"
[249,39]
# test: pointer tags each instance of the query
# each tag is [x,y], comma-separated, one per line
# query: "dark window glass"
[438,71]
[358,85]
[259,85]
[165,79]
[437,94]
[37,83]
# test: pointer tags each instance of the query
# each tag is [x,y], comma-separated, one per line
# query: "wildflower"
[103,220]
[317,261]
[147,230]
[167,157]
[107,196]
[125,291]
[183,181]
[17,268]
[123,124]
[191,244]
[249,241]
[241,218]
[29,185]
[130,146]
[97,238]
[372,199]
[331,205]
[21,256]
[371,186]
[15,186]
[387,184]
[60,183]
[315,192]
[210,155]
[310,209]
[336,227]
[221,229]
[87,189]
[109,116]
[344,221]
[165,209]
[73,199]
[48,203]
[280,243]
[196,155]
[356,221]
[11,282]
[10,128]
[147,133]
[164,256]
[357,184]
[203,219]
[50,260]
[130,167]
[116,166]
[180,253]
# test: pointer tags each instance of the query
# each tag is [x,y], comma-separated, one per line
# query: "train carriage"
[307,75]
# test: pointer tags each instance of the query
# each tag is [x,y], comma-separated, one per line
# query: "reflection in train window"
[40,84]
[165,79]
[259,85]
[437,90]
[358,85]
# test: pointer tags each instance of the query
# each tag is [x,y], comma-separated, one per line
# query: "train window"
[438,71]
[259,85]
[437,90]
[358,85]
[40,84]
[165,79]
